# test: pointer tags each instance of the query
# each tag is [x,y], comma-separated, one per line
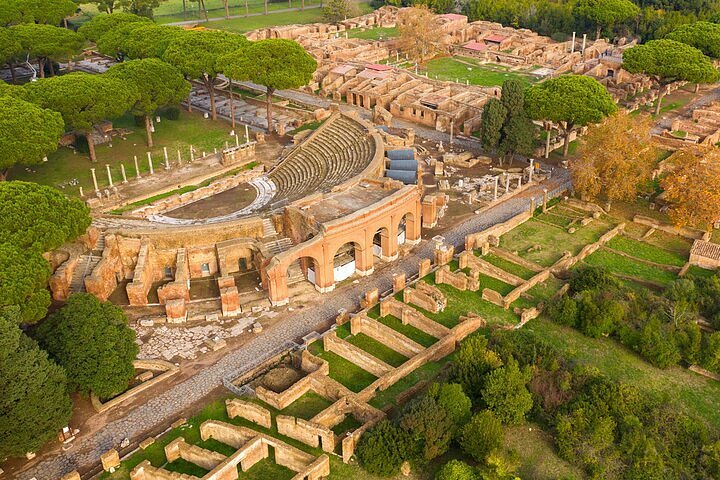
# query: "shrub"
[472,362]
[481,435]
[456,470]
[592,278]
[451,397]
[172,113]
[383,448]
[506,394]
[564,311]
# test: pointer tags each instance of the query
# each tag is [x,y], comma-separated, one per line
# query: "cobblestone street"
[167,406]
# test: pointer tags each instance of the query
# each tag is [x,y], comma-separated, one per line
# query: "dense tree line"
[662,328]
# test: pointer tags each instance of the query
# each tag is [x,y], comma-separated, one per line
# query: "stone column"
[584,42]
[92,170]
[497,180]
[152,171]
[507,183]
[107,167]
[192,154]
[237,140]
[124,175]
[137,167]
[167,161]
[545,200]
[247,134]
[81,192]
[572,47]
[364,260]
[520,181]
[179,158]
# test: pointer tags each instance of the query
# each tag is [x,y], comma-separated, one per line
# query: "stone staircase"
[279,245]
[85,266]
[269,228]
[295,274]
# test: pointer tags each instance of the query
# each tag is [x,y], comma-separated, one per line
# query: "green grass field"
[646,251]
[508,266]
[629,267]
[379,33]
[342,370]
[377,349]
[307,406]
[242,25]
[64,165]
[552,241]
[463,69]
[413,333]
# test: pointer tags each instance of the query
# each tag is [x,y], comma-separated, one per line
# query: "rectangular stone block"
[399,281]
[178,423]
[146,443]
[74,475]
[110,460]
[424,267]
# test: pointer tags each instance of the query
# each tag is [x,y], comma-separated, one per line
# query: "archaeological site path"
[169,405]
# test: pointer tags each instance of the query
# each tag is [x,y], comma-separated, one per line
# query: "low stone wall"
[515,294]
[249,411]
[180,449]
[356,355]
[426,297]
[409,316]
[511,257]
[468,259]
[568,261]
[476,240]
[62,277]
[307,432]
[458,280]
[690,233]
[103,279]
[168,370]
[384,334]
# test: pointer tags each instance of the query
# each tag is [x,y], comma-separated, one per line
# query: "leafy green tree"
[564,311]
[275,63]
[451,397]
[84,100]
[472,362]
[456,470]
[430,426]
[93,342]
[23,281]
[149,40]
[99,25]
[606,13]
[383,448]
[711,353]
[29,133]
[506,394]
[335,11]
[143,8]
[591,278]
[705,36]
[483,434]
[39,217]
[598,317]
[50,12]
[668,61]
[570,101]
[512,97]
[10,50]
[47,43]
[34,404]
[114,42]
[493,118]
[518,136]
[656,347]
[158,83]
[106,6]
[197,55]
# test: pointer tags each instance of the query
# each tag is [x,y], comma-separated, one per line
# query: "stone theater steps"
[83,269]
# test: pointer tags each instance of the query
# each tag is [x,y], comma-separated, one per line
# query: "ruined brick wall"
[180,449]
[476,264]
[249,411]
[384,334]
[515,294]
[104,278]
[308,432]
[458,280]
[475,240]
[409,316]
[60,280]
[356,355]
[138,289]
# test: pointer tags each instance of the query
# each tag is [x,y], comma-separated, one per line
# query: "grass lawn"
[342,370]
[551,240]
[460,303]
[348,424]
[64,165]
[693,393]
[307,406]
[379,33]
[413,333]
[626,266]
[464,70]
[544,291]
[242,25]
[378,350]
[508,266]
[646,251]
[538,458]
[700,272]
[171,10]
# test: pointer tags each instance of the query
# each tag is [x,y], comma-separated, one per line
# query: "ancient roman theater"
[332,205]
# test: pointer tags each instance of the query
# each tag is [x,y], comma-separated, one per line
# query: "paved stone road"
[167,406]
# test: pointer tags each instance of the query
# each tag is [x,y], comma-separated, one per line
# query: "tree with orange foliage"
[616,156]
[693,186]
[419,33]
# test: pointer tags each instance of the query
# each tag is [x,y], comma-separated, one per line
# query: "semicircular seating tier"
[337,151]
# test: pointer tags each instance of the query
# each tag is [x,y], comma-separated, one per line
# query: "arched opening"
[345,261]
[381,243]
[402,230]
[304,268]
[407,231]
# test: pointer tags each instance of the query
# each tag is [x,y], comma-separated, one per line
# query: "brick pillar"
[324,276]
[424,267]
[176,310]
[364,260]
[413,225]
[229,297]
[398,282]
[277,285]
